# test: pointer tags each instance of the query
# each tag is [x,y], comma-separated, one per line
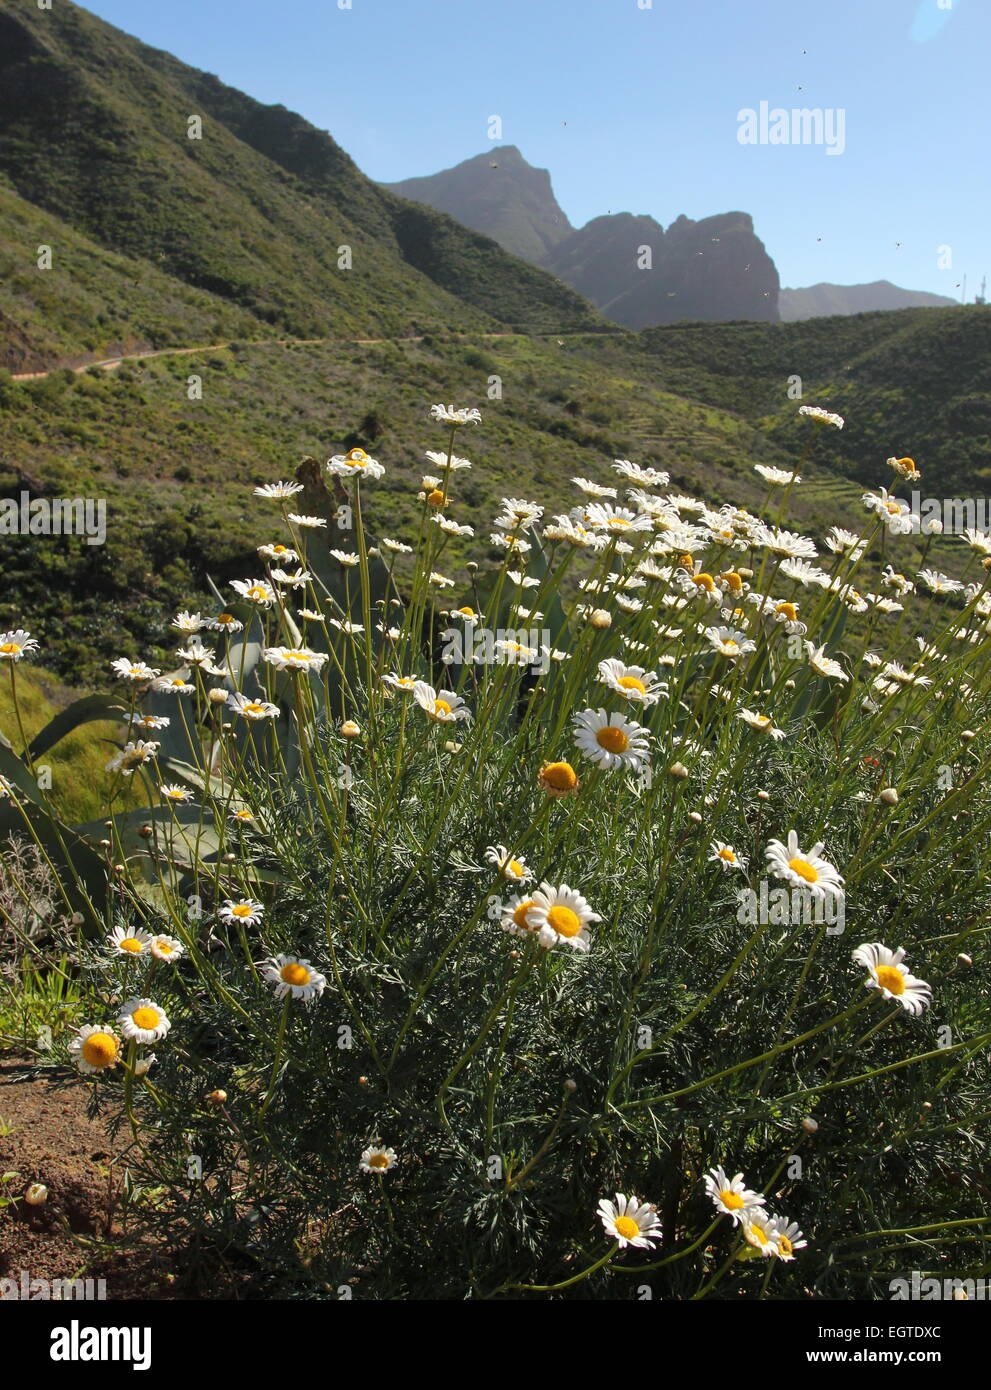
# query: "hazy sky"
[637,109]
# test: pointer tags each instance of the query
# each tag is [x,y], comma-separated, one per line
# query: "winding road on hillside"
[107,364]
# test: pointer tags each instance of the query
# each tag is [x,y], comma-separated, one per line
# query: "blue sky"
[637,109]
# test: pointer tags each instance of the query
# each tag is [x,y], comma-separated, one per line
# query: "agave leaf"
[87,710]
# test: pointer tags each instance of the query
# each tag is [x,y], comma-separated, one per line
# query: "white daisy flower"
[245,910]
[648,477]
[128,941]
[633,682]
[591,489]
[95,1048]
[130,670]
[804,868]
[601,517]
[821,417]
[132,755]
[177,795]
[294,658]
[761,722]
[729,641]
[630,1222]
[256,591]
[444,706]
[824,665]
[148,721]
[188,622]
[307,523]
[166,948]
[281,554]
[290,975]
[515,870]
[397,547]
[777,477]
[447,415]
[560,916]
[611,740]
[789,1236]
[731,1195]
[173,685]
[889,976]
[759,1230]
[142,1021]
[726,856]
[377,1158]
[278,492]
[252,709]
[355,464]
[17,644]
[788,544]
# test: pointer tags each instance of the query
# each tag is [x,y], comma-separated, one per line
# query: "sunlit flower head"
[634,683]
[726,856]
[509,867]
[378,1159]
[294,658]
[820,416]
[560,916]
[95,1048]
[256,591]
[887,974]
[244,911]
[166,949]
[558,779]
[630,1222]
[731,1195]
[611,740]
[129,941]
[131,756]
[132,670]
[444,707]
[142,1021]
[355,464]
[278,492]
[804,868]
[291,976]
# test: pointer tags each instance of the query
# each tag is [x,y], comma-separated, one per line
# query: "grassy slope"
[95,130]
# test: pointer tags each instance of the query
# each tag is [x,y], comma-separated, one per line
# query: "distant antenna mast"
[982,297]
[963,297]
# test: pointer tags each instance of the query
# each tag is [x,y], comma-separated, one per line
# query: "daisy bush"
[602,919]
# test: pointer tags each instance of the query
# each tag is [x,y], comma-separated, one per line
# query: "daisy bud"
[217,696]
[695,817]
[362,1080]
[789,685]
[599,618]
[118,868]
[109,824]
[349,729]
[229,858]
[745,574]
[571,1086]
[889,796]
[964,960]
[967,735]
[104,844]
[143,1065]
[145,831]
[810,1125]
[453,747]
[472,565]
[927,1105]
[374,552]
[986,563]
[36,1195]
[678,770]
[77,919]
[763,796]
[217,1097]
[436,498]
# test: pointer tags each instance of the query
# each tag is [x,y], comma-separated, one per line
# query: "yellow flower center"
[618,521]
[131,943]
[705,581]
[226,618]
[241,910]
[515,868]
[686,562]
[378,1161]
[441,707]
[804,869]
[564,921]
[253,708]
[730,646]
[892,507]
[163,948]
[889,977]
[731,1199]
[560,777]
[626,1227]
[631,683]
[613,740]
[728,855]
[789,610]
[357,457]
[10,648]
[785,1246]
[732,581]
[520,912]
[280,549]
[296,656]
[100,1050]
[436,498]
[146,1018]
[467,612]
[295,974]
[758,1235]
[256,591]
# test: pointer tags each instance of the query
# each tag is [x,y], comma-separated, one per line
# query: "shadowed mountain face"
[145,157]
[499,194]
[640,276]
[628,266]
[824,299]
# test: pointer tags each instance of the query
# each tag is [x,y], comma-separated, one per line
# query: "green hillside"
[95,131]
